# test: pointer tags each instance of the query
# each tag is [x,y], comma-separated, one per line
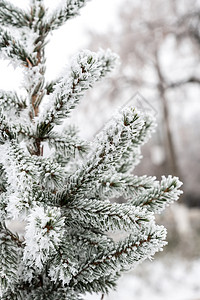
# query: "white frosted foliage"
[65,11]
[64,189]
[44,232]
[85,69]
[63,272]
[19,174]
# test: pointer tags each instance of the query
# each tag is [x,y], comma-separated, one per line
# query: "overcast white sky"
[98,15]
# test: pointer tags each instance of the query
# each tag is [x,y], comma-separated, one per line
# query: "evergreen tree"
[59,185]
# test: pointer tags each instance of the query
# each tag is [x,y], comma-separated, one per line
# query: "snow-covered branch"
[86,68]
[69,9]
[12,49]
[12,15]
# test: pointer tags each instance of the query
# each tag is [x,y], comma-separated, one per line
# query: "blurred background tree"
[159,46]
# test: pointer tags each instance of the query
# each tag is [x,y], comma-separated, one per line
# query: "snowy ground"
[169,279]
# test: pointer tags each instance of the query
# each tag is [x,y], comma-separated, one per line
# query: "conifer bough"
[62,195]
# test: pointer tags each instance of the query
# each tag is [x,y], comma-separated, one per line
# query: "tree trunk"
[171,158]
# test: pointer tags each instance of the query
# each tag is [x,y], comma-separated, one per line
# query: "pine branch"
[40,288]
[101,285]
[160,196]
[131,157]
[105,216]
[65,262]
[67,143]
[14,50]
[12,15]
[125,255]
[10,100]
[3,182]
[7,131]
[13,131]
[44,233]
[10,257]
[128,131]
[69,10]
[87,68]
[50,86]
[125,185]
[89,241]
[50,174]
[25,172]
[13,236]
[21,176]
[36,19]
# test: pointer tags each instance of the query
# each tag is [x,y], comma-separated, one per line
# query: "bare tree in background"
[158,42]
